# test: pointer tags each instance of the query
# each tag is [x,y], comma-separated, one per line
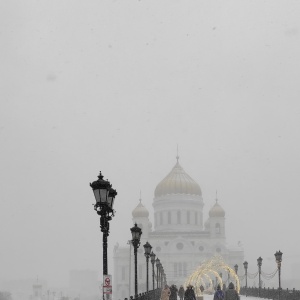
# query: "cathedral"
[179,238]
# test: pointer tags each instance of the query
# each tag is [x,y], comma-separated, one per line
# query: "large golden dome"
[177,182]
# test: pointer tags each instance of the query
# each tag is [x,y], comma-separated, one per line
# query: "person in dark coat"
[174,290]
[219,294]
[189,293]
[231,293]
[181,292]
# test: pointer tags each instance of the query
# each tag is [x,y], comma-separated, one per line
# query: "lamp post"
[157,271]
[147,248]
[278,257]
[259,263]
[162,276]
[129,282]
[245,263]
[105,197]
[228,276]
[136,236]
[152,256]
[236,267]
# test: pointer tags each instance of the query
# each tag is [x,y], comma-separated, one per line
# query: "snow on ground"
[242,297]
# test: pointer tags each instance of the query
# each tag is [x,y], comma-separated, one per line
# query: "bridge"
[245,294]
[209,274]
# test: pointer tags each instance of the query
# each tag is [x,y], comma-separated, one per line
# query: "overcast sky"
[115,86]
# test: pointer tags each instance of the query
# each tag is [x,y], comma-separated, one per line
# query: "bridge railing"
[151,295]
[271,293]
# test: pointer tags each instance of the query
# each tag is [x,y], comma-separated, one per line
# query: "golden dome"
[217,211]
[140,211]
[177,182]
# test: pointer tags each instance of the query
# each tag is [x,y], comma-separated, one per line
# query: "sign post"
[107,287]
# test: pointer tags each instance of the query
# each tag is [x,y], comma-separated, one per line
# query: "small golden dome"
[140,211]
[217,211]
[177,182]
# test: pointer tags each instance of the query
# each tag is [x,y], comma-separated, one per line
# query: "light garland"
[202,275]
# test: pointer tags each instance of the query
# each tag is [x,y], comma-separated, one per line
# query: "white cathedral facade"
[178,238]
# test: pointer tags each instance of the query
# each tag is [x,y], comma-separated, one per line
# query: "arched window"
[123,272]
[184,269]
[160,218]
[178,217]
[218,228]
[188,217]
[175,270]
[196,218]
[180,269]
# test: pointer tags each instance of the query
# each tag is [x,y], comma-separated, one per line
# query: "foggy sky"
[115,86]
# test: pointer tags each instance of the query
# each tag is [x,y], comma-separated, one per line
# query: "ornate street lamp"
[236,267]
[105,197]
[259,263]
[157,271]
[152,256]
[147,248]
[136,236]
[245,263]
[278,257]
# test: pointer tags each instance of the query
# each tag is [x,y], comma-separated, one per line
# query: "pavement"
[242,297]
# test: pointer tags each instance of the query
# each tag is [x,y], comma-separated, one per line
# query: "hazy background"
[115,86]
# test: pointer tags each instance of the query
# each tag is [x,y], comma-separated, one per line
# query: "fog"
[116,86]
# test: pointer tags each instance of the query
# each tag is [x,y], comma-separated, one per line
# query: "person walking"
[189,293]
[231,293]
[174,290]
[181,292]
[193,296]
[165,293]
[219,294]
